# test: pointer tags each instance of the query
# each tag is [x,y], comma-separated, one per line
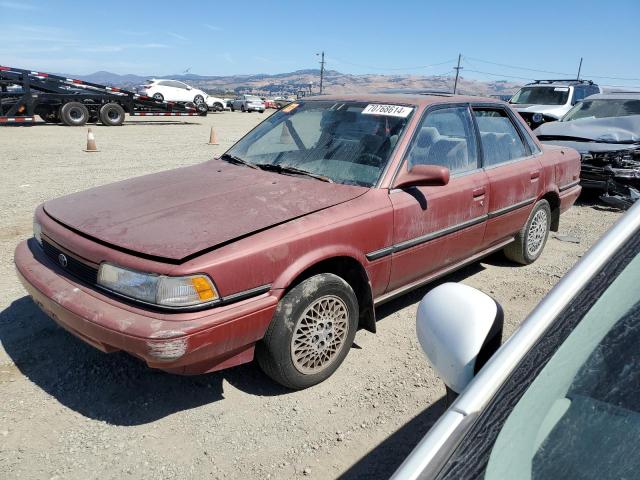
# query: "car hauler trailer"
[57,99]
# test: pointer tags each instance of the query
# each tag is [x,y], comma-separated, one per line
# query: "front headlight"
[37,231]
[160,290]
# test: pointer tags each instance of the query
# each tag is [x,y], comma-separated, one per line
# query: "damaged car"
[605,129]
[280,249]
[545,101]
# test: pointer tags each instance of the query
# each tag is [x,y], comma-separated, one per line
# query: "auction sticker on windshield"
[389,110]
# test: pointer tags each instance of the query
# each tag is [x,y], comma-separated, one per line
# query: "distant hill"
[292,82]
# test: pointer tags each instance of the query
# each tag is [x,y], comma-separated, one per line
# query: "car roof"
[407,98]
[615,96]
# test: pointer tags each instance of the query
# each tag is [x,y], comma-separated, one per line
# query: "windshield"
[580,417]
[338,140]
[603,109]
[541,96]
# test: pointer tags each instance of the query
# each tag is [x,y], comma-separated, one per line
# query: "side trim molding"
[398,247]
[568,186]
[511,208]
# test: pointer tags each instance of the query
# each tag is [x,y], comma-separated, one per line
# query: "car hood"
[176,214]
[602,133]
[552,110]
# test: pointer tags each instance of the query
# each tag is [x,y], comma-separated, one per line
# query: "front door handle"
[535,174]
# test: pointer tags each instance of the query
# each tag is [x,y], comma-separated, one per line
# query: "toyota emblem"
[62,260]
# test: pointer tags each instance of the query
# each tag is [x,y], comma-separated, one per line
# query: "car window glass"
[578,93]
[330,138]
[500,140]
[580,417]
[164,84]
[445,137]
[603,108]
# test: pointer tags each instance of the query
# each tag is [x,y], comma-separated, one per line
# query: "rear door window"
[445,138]
[499,137]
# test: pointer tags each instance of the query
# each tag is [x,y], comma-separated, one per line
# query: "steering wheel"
[369,159]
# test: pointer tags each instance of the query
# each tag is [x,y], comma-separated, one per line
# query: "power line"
[549,71]
[417,67]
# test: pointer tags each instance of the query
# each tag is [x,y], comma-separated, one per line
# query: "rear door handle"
[535,174]
[479,192]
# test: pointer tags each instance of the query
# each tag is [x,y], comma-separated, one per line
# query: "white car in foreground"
[175,91]
[561,398]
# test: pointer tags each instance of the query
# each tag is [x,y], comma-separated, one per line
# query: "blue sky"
[218,38]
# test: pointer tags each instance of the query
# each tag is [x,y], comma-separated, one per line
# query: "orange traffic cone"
[91,142]
[213,139]
[285,136]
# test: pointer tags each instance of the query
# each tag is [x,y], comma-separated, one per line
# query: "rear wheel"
[198,99]
[112,115]
[158,96]
[242,108]
[217,107]
[311,332]
[531,239]
[74,114]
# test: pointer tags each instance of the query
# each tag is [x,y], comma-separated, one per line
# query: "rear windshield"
[347,142]
[603,109]
[541,96]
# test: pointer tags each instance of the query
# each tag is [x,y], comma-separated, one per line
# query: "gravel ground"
[71,412]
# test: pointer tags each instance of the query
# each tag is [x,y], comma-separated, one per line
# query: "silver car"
[248,103]
[561,398]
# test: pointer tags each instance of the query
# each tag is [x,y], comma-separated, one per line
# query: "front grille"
[82,271]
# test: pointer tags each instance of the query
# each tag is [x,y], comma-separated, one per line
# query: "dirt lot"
[69,411]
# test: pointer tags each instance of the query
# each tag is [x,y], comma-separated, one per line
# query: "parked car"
[176,91]
[282,101]
[268,103]
[561,398]
[283,246]
[549,100]
[248,103]
[605,129]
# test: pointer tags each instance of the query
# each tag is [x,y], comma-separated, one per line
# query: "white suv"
[548,100]
[175,91]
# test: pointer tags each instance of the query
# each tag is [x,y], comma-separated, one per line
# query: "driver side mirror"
[459,328]
[422,176]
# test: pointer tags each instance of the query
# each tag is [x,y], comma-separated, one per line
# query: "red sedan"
[281,248]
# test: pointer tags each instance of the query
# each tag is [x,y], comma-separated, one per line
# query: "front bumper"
[198,342]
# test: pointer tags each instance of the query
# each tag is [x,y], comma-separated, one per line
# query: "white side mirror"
[459,328]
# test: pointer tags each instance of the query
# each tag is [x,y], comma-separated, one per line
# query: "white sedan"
[176,91]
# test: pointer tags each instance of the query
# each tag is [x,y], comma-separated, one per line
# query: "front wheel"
[531,239]
[198,99]
[242,108]
[311,332]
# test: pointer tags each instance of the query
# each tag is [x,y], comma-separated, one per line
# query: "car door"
[514,172]
[438,226]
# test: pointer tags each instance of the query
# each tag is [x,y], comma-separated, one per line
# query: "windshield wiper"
[236,160]
[283,169]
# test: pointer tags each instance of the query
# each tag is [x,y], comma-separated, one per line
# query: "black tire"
[233,108]
[218,107]
[158,96]
[198,99]
[261,111]
[201,108]
[531,239]
[242,108]
[74,114]
[112,115]
[275,353]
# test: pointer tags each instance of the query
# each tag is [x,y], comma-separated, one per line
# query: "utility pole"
[457,69]
[579,68]
[321,69]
